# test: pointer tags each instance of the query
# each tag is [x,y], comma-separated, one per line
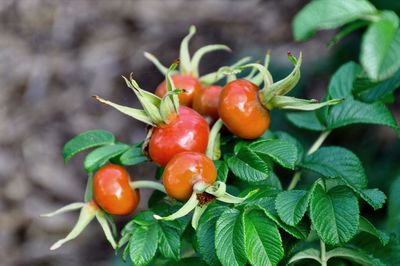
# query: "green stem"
[147,184]
[324,261]
[319,142]
[212,139]
[346,31]
[296,177]
[371,18]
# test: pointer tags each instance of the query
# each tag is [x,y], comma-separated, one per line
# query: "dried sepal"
[184,210]
[88,212]
[292,103]
[137,114]
[184,55]
[216,76]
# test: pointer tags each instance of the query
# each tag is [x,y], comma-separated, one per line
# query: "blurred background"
[54,55]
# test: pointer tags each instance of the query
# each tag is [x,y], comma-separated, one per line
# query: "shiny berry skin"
[112,191]
[184,170]
[191,86]
[241,110]
[207,100]
[187,132]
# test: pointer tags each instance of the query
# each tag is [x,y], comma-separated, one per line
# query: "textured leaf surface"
[368,227]
[263,242]
[222,170]
[341,83]
[337,162]
[328,14]
[265,200]
[352,111]
[306,120]
[334,214]
[134,155]
[248,166]
[380,90]
[288,138]
[169,240]
[229,238]
[86,140]
[380,49]
[292,205]
[282,152]
[373,197]
[143,244]
[356,112]
[205,234]
[102,155]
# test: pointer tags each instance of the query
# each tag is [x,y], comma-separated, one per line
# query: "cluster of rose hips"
[179,116]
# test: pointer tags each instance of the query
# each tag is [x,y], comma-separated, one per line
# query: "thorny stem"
[323,254]
[296,177]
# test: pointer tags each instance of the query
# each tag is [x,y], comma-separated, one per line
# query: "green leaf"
[288,138]
[352,111]
[328,14]
[380,49]
[222,170]
[373,197]
[292,205]
[337,162]
[169,241]
[229,238]
[263,243]
[353,255]
[379,90]
[265,200]
[86,140]
[368,227]
[282,152]
[341,83]
[102,155]
[356,112]
[134,155]
[306,120]
[334,214]
[143,244]
[145,218]
[205,234]
[248,166]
